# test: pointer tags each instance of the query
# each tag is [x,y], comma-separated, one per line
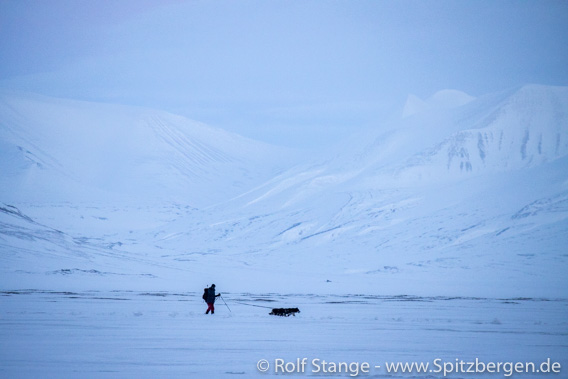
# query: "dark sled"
[284,312]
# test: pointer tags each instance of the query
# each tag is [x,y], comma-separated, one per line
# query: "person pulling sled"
[209,297]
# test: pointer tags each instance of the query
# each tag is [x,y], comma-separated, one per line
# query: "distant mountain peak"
[444,99]
[413,105]
[516,129]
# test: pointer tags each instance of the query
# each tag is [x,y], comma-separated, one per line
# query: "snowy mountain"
[463,196]
[496,134]
[434,199]
[61,149]
[525,129]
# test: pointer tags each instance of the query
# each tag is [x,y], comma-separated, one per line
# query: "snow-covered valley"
[443,232]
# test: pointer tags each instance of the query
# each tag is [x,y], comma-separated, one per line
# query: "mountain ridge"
[395,208]
[126,150]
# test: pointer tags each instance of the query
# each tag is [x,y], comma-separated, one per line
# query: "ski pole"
[225,303]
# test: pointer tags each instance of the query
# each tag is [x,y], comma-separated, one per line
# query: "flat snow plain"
[129,334]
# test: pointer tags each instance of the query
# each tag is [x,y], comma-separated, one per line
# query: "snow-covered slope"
[496,134]
[466,197]
[62,149]
[436,202]
[525,129]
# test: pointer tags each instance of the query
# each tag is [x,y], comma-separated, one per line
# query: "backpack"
[205,293]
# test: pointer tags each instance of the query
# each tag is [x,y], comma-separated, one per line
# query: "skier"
[211,299]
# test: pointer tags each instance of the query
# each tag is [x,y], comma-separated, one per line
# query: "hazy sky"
[295,72]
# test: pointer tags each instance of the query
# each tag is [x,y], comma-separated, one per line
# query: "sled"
[284,312]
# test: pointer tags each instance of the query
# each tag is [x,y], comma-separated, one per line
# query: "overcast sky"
[301,73]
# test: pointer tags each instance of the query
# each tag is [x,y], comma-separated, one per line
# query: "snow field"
[162,334]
